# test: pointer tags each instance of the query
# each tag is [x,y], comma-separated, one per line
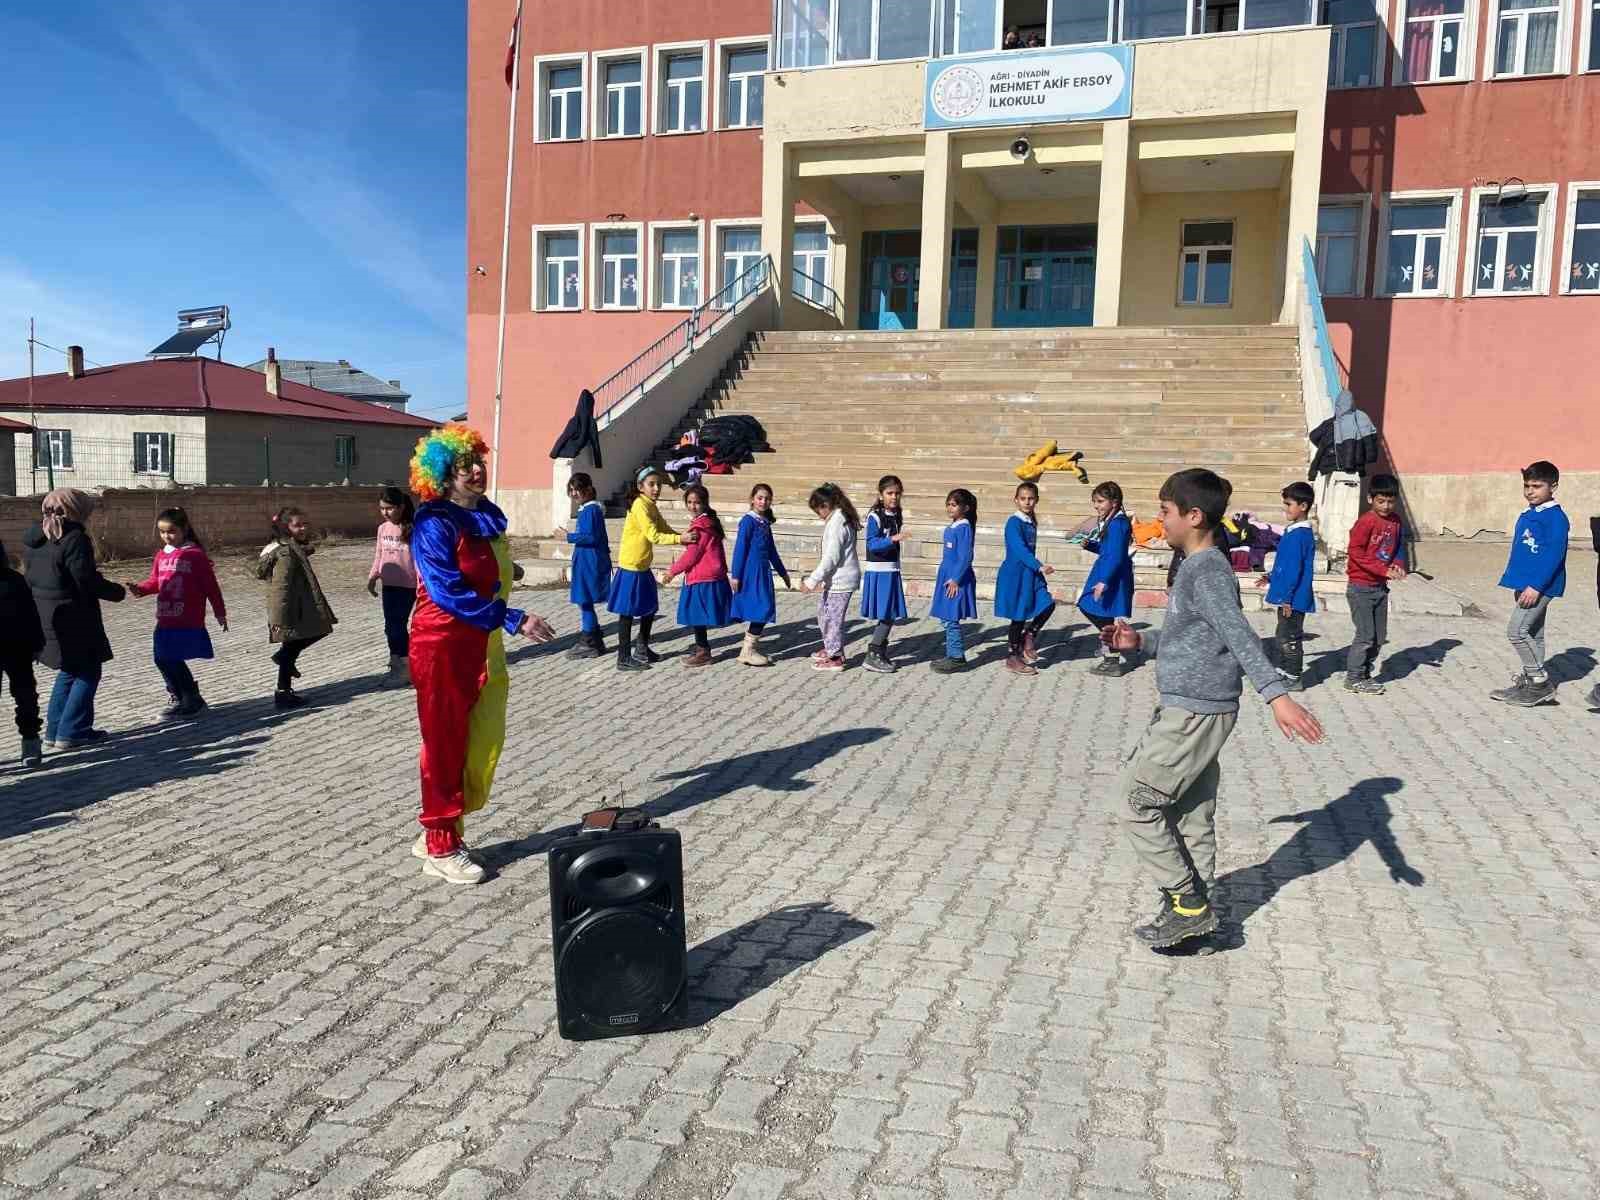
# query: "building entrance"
[891,279]
[1044,276]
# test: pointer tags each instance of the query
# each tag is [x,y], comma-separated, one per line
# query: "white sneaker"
[419,848]
[454,868]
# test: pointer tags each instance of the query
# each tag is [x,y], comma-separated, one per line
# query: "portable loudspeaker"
[616,924]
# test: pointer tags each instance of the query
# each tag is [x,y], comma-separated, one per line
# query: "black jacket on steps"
[580,431]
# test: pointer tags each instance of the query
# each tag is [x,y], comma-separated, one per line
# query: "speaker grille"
[622,967]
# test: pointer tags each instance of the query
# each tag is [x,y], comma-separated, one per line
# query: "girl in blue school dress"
[755,558]
[1021,594]
[955,589]
[1108,592]
[883,596]
[591,564]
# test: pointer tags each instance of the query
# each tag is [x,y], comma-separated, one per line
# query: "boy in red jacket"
[1376,557]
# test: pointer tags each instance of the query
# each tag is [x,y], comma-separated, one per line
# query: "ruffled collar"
[485,521]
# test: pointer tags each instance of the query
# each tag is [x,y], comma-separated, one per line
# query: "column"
[1305,183]
[777,217]
[938,218]
[988,253]
[1118,194]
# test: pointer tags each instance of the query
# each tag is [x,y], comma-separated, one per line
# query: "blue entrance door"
[963,279]
[1044,276]
[890,282]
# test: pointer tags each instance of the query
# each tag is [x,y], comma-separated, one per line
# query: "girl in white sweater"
[838,574]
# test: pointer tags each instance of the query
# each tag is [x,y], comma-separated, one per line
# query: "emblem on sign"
[957,93]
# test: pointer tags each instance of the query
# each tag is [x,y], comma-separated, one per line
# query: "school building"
[1090,168]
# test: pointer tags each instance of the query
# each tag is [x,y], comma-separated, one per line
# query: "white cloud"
[106,336]
[308,168]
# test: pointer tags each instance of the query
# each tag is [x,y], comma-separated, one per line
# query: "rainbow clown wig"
[439,454]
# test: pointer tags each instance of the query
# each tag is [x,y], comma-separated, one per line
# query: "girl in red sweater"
[704,600]
[182,581]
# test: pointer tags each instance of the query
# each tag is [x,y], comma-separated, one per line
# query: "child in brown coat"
[298,614]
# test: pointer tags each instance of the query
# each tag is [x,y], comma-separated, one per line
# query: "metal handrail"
[622,385]
[1319,320]
[831,302]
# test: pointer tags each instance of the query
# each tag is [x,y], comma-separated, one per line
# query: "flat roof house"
[197,421]
[340,378]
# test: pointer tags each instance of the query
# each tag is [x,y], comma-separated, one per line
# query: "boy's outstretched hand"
[1121,637]
[1295,721]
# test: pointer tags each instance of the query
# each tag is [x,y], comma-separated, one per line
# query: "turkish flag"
[511,45]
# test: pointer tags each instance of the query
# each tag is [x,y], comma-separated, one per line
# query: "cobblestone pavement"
[225,976]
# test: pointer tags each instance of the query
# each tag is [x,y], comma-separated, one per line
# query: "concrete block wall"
[124,522]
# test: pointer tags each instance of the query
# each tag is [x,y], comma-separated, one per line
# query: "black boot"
[598,641]
[1182,915]
[288,698]
[585,648]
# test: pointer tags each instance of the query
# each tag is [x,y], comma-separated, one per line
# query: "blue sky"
[302,162]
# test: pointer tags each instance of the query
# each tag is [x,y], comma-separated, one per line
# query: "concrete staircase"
[963,408]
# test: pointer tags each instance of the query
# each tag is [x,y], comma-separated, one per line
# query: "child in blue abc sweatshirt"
[1536,573]
[1289,584]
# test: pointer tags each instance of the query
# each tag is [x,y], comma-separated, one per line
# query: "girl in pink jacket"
[183,582]
[703,602]
[394,573]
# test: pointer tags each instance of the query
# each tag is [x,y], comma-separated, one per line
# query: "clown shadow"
[779,769]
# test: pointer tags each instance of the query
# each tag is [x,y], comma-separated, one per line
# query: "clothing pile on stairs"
[716,448]
[1047,458]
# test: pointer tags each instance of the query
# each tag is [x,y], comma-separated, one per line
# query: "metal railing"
[680,340]
[810,290]
[1319,321]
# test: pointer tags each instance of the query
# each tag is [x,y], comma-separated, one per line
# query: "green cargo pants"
[1169,797]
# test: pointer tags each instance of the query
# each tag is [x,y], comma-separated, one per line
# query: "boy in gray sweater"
[1169,786]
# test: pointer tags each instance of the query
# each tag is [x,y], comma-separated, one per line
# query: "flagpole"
[505,252]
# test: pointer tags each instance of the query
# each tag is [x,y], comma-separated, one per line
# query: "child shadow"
[1326,837]
[1401,664]
[1325,665]
[778,769]
[1572,665]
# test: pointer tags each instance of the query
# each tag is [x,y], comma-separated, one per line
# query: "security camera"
[1021,148]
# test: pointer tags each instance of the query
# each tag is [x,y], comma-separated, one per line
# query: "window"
[1591,38]
[1436,43]
[904,29]
[561,100]
[1509,237]
[1583,240]
[743,87]
[1417,253]
[1205,273]
[678,267]
[1340,240]
[52,448]
[344,450]
[1080,22]
[621,95]
[811,256]
[152,453]
[1154,19]
[558,271]
[619,268]
[681,76]
[740,252]
[815,33]
[1526,37]
[1353,47]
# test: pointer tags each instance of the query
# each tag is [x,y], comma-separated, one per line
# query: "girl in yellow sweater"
[633,586]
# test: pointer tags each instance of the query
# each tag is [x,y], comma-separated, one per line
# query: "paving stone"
[919,983]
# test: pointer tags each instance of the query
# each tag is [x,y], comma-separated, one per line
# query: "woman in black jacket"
[58,559]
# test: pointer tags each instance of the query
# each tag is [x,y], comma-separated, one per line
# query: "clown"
[458,656]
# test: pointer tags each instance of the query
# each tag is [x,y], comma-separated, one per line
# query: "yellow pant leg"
[486,729]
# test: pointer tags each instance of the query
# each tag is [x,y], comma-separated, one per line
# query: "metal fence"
[52,458]
[681,338]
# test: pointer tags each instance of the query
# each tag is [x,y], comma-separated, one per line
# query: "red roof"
[193,385]
[15,426]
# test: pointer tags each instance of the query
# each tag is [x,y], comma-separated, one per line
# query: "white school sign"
[1029,87]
